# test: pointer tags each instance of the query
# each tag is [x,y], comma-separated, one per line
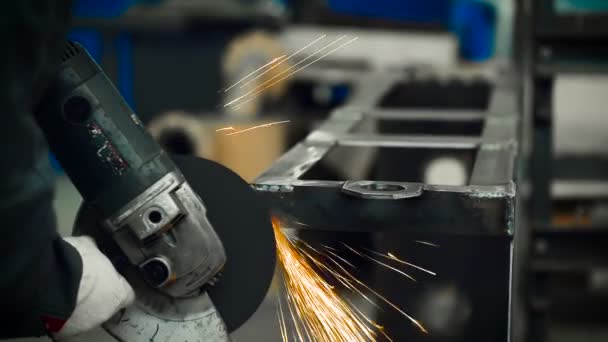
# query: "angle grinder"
[191,237]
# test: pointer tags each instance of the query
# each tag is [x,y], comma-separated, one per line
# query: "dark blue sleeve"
[39,272]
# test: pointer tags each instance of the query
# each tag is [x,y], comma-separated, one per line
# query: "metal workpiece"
[347,113]
[324,138]
[337,125]
[292,165]
[371,88]
[393,197]
[427,114]
[497,157]
[411,141]
[382,190]
[336,206]
[487,138]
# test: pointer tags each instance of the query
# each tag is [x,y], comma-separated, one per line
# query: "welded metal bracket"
[382,190]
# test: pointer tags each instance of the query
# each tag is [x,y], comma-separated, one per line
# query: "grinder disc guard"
[240,217]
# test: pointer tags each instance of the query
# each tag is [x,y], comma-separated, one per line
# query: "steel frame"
[484,207]
[488,197]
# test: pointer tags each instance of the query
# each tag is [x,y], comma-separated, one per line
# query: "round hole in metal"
[383,187]
[155,216]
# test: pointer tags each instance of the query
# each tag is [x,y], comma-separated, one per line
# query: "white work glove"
[102,291]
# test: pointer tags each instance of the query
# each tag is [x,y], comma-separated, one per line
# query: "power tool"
[191,237]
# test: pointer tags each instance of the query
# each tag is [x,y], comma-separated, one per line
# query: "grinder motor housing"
[148,209]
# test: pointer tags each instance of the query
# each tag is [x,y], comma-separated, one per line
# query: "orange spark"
[380,262]
[390,256]
[341,258]
[323,314]
[282,325]
[362,284]
[426,243]
[267,84]
[274,66]
[286,59]
[225,129]
[298,63]
[316,309]
[257,93]
[256,127]
[274,60]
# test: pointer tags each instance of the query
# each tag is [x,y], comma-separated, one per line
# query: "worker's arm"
[40,271]
[47,284]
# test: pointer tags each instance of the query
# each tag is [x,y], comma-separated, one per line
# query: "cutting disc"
[242,220]
[240,217]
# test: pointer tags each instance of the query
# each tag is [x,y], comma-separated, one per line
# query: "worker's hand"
[102,291]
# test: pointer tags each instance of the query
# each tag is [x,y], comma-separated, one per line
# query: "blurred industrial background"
[539,273]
